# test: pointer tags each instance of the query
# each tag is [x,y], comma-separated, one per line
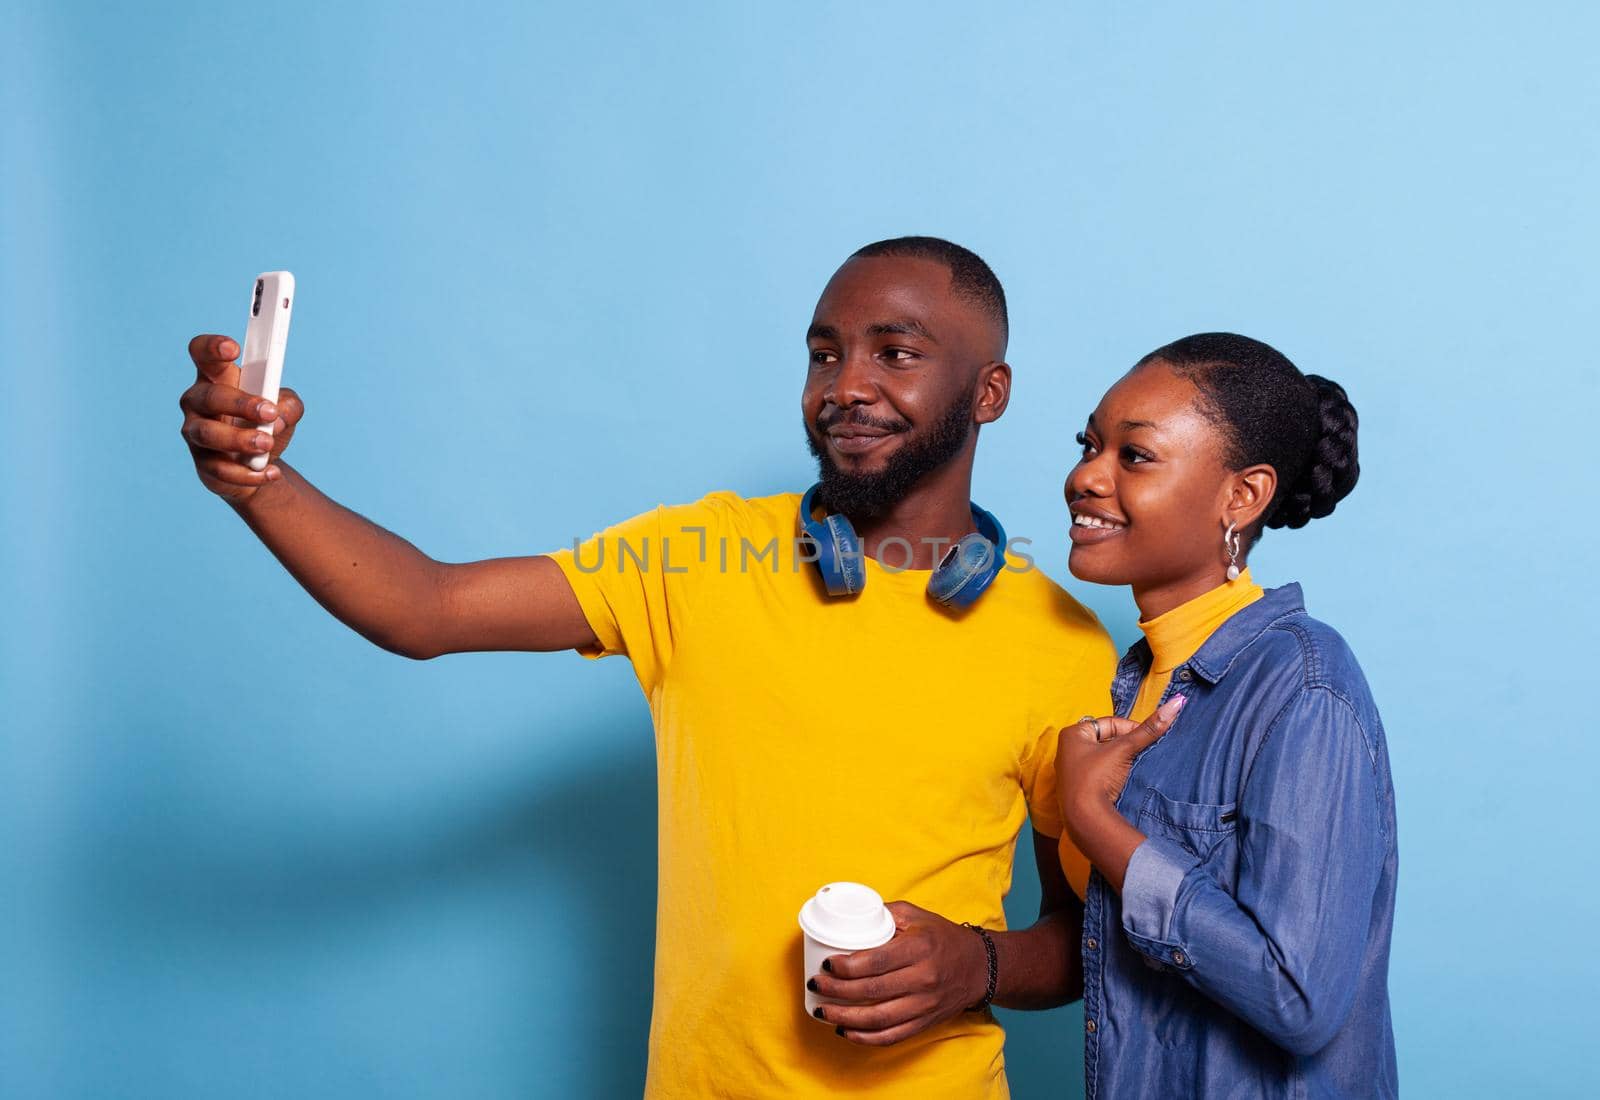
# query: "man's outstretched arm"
[368,578]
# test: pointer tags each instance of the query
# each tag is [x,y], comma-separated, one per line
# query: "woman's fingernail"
[827,966]
[267,411]
[274,474]
[811,984]
[839,1031]
[817,1012]
[262,442]
[1174,705]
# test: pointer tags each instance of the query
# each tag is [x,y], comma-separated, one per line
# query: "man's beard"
[866,496]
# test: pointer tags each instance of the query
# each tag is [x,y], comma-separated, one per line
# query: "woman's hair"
[1302,425]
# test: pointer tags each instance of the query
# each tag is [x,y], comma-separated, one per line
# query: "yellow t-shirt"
[802,740]
[1174,638]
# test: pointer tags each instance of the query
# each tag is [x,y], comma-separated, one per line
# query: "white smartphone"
[261,365]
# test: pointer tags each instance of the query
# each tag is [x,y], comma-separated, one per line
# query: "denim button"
[1185,675]
[1178,957]
[1088,1025]
[1092,944]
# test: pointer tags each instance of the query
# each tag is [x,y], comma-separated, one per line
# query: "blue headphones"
[965,573]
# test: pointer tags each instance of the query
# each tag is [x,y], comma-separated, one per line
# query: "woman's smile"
[1091,526]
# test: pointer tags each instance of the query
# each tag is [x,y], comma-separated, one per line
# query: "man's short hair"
[970,277]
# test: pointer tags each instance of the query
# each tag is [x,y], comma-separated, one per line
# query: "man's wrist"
[984,973]
[264,496]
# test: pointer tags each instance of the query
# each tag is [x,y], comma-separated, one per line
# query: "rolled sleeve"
[1150,894]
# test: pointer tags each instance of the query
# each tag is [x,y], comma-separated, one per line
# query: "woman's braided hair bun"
[1333,467]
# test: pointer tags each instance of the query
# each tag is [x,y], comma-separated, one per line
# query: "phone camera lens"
[255,306]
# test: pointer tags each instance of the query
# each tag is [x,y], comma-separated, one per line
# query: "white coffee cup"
[843,917]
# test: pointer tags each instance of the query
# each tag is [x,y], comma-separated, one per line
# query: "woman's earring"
[1230,543]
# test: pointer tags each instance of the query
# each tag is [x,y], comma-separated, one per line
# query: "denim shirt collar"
[1240,632]
[1216,656]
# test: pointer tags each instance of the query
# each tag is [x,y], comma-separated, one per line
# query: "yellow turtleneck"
[1174,638]
[1179,634]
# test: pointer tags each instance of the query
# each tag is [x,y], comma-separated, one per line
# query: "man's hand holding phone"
[225,426]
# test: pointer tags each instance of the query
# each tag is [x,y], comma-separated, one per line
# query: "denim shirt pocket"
[1198,826]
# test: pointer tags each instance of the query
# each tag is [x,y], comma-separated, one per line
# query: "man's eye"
[820,356]
[898,354]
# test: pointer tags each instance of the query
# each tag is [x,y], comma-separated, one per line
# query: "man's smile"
[851,439]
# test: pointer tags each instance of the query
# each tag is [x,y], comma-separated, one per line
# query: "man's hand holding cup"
[932,969]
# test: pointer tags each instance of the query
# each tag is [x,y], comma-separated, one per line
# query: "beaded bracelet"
[994,966]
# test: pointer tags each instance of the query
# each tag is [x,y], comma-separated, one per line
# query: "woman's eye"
[1133,456]
[1083,441]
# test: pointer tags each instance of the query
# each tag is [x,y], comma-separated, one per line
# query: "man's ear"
[993,392]
[1250,495]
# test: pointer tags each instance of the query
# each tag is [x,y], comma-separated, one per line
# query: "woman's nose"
[1091,477]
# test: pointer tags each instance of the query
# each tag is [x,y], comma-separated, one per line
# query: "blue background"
[555,266]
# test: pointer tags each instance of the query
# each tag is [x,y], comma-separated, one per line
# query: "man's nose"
[852,383]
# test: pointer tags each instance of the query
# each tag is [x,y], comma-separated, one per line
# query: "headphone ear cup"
[845,574]
[967,569]
[835,548]
[838,555]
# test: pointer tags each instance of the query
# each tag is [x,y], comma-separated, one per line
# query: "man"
[802,738]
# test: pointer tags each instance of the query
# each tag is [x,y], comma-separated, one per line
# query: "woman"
[1237,926]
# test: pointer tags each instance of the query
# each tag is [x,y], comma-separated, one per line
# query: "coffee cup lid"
[847,915]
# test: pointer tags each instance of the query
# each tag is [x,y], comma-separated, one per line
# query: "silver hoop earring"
[1230,544]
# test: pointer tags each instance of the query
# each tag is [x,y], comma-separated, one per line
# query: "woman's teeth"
[1082,520]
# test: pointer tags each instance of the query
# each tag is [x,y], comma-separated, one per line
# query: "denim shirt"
[1249,952]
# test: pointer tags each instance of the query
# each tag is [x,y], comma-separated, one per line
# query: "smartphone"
[261,365]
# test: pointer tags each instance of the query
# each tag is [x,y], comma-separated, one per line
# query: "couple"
[1214,839]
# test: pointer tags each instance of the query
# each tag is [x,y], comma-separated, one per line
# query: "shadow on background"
[569,863]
